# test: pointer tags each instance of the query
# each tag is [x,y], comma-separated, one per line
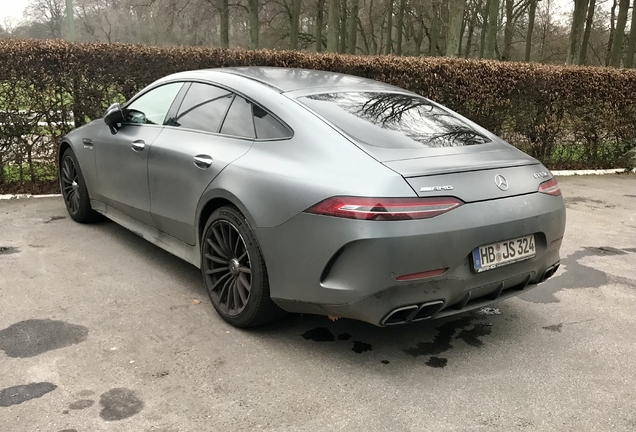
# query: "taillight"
[385,209]
[550,187]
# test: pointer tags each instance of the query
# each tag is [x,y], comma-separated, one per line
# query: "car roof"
[293,80]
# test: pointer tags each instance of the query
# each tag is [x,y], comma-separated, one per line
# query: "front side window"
[152,107]
[203,108]
[392,120]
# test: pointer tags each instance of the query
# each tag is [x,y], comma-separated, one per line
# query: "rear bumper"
[348,268]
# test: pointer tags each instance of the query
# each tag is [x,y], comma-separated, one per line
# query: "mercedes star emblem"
[501,182]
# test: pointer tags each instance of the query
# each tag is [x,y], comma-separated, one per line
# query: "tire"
[74,191]
[234,270]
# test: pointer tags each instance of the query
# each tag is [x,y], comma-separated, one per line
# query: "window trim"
[180,97]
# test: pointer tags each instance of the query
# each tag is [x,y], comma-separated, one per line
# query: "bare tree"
[389,27]
[589,21]
[619,34]
[454,30]
[320,14]
[50,13]
[578,19]
[631,44]
[352,30]
[332,30]
[531,16]
[491,32]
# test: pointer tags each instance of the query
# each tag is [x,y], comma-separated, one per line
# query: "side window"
[203,108]
[238,121]
[267,127]
[152,107]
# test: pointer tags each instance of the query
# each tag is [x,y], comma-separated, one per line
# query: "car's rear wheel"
[234,270]
[74,189]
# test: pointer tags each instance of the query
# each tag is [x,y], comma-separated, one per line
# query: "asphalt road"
[101,331]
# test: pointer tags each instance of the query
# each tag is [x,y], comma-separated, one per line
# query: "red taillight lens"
[385,209]
[550,187]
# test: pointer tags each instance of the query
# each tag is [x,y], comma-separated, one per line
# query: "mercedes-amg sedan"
[315,192]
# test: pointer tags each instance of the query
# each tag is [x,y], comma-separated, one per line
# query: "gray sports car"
[315,192]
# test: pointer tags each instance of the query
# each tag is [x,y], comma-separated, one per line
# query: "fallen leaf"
[196,301]
[333,318]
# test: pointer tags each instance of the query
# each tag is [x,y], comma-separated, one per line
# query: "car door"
[121,158]
[211,128]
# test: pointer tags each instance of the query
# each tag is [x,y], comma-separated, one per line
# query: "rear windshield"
[392,120]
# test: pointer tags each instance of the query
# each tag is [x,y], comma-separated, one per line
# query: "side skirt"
[153,235]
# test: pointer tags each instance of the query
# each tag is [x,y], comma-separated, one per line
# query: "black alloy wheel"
[70,186]
[228,267]
[74,190]
[234,270]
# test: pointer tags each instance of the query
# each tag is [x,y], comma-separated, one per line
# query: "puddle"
[33,337]
[21,393]
[319,334]
[119,403]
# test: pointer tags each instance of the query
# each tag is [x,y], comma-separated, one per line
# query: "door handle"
[203,161]
[138,145]
[88,143]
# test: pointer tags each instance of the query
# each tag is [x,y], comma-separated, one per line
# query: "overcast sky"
[12,10]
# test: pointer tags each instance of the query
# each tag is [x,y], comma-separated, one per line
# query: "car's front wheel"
[74,189]
[234,270]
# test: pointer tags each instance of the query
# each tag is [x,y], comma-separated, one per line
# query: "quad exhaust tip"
[550,271]
[412,313]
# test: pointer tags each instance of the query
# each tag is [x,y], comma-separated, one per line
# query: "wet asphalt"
[102,331]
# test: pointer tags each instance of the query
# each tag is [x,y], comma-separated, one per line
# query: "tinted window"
[238,121]
[392,120]
[203,108]
[267,127]
[152,107]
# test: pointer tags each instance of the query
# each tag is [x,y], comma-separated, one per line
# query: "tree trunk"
[224,12]
[342,47]
[293,25]
[455,17]
[353,31]
[434,29]
[631,45]
[586,34]
[471,31]
[389,28]
[374,42]
[491,33]
[508,29]
[619,34]
[531,14]
[400,25]
[484,28]
[319,19]
[332,31]
[578,19]
[612,31]
[252,10]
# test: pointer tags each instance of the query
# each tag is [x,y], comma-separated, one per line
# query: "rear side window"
[203,108]
[238,121]
[267,127]
[392,120]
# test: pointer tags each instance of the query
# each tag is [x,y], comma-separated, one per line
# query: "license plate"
[503,253]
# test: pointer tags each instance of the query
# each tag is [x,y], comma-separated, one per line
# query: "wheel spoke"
[245,283]
[215,259]
[216,248]
[218,270]
[239,259]
[219,280]
[220,242]
[230,295]
[245,270]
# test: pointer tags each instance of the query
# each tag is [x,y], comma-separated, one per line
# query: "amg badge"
[436,188]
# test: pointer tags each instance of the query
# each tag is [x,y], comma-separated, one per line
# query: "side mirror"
[114,116]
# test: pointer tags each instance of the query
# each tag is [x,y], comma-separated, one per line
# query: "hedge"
[569,117]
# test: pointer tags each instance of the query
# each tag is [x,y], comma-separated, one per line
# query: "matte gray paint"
[273,182]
